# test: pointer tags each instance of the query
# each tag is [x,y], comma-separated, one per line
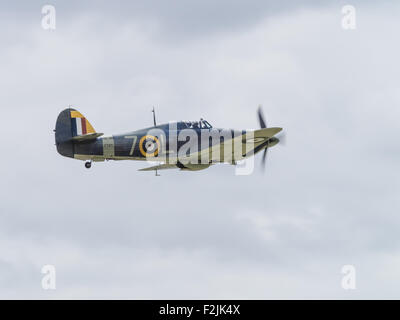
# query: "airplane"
[184,145]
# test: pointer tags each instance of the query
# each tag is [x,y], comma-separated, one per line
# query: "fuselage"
[191,145]
[164,143]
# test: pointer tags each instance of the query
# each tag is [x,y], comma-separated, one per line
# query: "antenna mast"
[154,117]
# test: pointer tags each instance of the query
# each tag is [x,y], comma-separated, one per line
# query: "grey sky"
[328,198]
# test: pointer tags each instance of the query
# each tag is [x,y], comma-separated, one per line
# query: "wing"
[160,167]
[251,142]
[258,140]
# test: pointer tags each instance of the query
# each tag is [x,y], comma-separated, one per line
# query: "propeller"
[264,158]
[263,124]
[261,117]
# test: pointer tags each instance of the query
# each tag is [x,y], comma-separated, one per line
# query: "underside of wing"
[160,167]
[178,165]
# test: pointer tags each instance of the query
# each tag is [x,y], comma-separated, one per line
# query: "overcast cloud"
[328,198]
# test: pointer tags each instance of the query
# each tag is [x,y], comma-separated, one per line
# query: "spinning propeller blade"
[261,118]
[263,124]
[264,158]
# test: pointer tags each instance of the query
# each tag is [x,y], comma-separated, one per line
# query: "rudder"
[79,124]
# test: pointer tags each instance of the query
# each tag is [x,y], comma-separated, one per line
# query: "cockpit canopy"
[202,124]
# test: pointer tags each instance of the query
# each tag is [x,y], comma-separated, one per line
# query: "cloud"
[328,198]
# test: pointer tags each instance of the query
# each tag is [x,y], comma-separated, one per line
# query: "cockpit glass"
[202,124]
[208,126]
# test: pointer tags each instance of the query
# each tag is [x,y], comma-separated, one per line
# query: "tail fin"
[79,124]
[72,125]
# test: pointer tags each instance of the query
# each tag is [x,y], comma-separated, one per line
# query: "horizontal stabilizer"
[87,137]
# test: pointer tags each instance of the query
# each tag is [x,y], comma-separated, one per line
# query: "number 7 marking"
[133,143]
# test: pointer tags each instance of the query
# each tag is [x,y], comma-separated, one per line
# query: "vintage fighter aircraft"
[187,145]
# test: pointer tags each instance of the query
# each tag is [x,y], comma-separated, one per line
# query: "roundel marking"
[149,146]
